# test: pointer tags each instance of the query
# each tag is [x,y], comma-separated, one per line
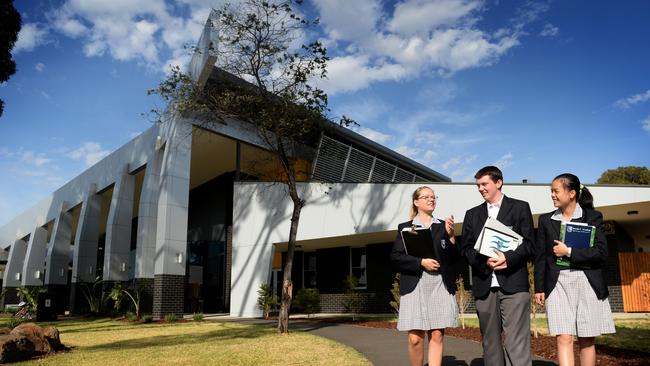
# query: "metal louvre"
[358,168]
[403,176]
[338,162]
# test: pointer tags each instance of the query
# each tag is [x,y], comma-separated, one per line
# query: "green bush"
[266,299]
[396,297]
[308,301]
[131,316]
[352,299]
[147,318]
[198,317]
[171,318]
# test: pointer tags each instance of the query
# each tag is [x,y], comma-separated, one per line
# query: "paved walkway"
[387,346]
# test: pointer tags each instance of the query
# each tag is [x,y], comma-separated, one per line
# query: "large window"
[358,266]
[309,270]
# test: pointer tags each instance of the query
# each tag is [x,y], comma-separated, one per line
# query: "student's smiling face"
[488,188]
[426,201]
[560,195]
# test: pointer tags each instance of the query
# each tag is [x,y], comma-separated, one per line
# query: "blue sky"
[535,87]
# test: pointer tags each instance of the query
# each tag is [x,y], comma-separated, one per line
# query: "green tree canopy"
[9,27]
[625,175]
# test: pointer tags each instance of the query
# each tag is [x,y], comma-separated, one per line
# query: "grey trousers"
[510,314]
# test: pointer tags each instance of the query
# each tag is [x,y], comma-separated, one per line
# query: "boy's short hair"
[493,172]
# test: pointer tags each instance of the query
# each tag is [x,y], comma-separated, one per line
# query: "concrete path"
[387,346]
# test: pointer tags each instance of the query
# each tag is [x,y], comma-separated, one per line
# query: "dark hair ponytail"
[572,183]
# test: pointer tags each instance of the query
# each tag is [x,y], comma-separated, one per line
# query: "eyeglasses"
[427,198]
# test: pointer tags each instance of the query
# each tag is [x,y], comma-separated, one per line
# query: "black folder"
[418,242]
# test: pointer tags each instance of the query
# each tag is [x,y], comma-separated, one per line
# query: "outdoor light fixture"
[633,212]
[123,267]
[90,270]
[179,258]
[17,276]
[37,274]
[61,272]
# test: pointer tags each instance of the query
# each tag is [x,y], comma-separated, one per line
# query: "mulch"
[542,346]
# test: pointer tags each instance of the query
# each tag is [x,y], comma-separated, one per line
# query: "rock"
[5,330]
[52,336]
[35,334]
[14,347]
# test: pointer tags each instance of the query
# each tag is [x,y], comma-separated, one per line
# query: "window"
[309,275]
[358,266]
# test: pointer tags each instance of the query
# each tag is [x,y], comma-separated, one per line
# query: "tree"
[10,22]
[625,175]
[272,89]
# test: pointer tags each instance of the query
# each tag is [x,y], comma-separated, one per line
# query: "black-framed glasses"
[427,198]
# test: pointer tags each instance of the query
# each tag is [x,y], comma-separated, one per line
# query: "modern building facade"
[191,213]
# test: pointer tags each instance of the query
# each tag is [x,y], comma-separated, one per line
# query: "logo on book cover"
[499,243]
[569,229]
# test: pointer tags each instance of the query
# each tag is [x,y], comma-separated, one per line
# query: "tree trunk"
[287,285]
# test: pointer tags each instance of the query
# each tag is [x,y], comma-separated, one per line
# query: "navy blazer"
[409,266]
[547,272]
[515,214]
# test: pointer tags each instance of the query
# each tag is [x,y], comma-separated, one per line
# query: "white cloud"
[549,30]
[408,151]
[451,163]
[373,135]
[32,158]
[30,37]
[439,37]
[504,161]
[646,124]
[45,95]
[90,152]
[628,102]
[39,67]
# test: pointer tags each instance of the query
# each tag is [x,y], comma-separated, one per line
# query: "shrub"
[308,301]
[171,318]
[462,299]
[198,317]
[266,299]
[147,318]
[131,316]
[352,299]
[395,292]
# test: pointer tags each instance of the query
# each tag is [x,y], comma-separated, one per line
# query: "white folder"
[496,236]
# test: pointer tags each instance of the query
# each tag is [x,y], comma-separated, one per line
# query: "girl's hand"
[560,249]
[430,264]
[539,298]
[450,229]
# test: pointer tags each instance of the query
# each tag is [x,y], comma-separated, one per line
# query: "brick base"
[168,295]
[10,297]
[145,286]
[369,303]
[60,295]
[616,299]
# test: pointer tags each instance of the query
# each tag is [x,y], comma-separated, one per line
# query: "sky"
[537,88]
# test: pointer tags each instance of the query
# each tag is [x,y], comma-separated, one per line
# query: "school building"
[190,212]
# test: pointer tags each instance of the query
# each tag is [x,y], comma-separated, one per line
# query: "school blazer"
[409,266]
[546,272]
[515,214]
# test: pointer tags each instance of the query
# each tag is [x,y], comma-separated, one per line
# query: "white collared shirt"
[417,222]
[493,212]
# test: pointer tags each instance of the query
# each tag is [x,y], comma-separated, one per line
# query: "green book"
[576,235]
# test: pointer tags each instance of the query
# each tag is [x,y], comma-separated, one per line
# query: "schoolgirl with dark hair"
[576,297]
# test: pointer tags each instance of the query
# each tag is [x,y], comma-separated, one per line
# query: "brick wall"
[369,303]
[616,299]
[145,286]
[168,295]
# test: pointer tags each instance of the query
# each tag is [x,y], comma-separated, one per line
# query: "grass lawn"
[105,341]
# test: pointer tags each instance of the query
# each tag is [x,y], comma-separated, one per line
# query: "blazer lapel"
[556,229]
[482,216]
[504,210]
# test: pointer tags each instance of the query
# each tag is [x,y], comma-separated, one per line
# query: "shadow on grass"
[225,333]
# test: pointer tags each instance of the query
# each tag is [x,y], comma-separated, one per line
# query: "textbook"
[495,236]
[418,242]
[576,235]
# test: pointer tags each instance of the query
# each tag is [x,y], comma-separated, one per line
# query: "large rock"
[35,334]
[51,334]
[15,347]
